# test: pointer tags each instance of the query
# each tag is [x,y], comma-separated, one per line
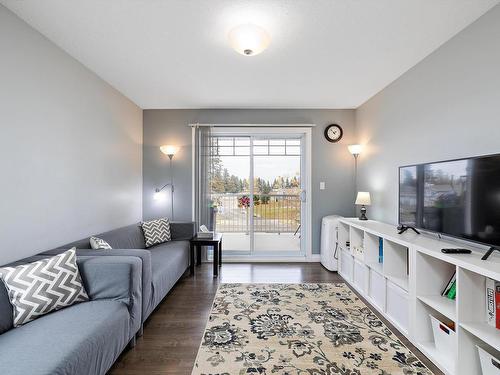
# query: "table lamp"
[363,199]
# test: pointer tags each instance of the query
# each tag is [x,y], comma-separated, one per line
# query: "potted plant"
[214,208]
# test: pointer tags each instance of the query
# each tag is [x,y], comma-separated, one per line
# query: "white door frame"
[276,129]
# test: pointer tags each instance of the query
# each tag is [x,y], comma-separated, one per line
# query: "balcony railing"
[278,213]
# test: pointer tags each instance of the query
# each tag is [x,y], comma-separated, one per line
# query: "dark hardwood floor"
[174,331]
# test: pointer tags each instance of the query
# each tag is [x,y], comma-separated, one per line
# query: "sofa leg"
[132,343]
[140,332]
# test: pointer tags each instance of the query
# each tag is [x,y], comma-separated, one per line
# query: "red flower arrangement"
[244,201]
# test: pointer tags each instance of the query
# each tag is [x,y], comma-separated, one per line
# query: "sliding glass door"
[277,188]
[258,192]
[231,176]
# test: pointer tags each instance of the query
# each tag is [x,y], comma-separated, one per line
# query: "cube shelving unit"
[406,286]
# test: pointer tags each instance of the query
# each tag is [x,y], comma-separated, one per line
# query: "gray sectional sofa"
[162,264]
[85,338]
[124,284]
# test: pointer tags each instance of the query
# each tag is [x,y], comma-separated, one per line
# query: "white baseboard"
[315,258]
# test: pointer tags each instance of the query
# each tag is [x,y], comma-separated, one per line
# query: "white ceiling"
[323,53]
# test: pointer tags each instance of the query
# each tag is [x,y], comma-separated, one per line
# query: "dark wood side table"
[196,243]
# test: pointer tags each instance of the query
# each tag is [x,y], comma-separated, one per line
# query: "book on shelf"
[450,291]
[497,305]
[493,303]
[380,250]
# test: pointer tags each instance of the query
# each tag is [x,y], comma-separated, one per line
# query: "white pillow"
[97,243]
[38,288]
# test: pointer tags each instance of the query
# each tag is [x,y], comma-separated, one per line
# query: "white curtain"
[203,173]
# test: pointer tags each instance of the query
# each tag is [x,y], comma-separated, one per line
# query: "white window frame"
[274,129]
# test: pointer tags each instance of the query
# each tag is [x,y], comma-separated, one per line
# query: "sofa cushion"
[97,243]
[182,230]
[40,287]
[156,231]
[169,261]
[80,244]
[129,237]
[82,339]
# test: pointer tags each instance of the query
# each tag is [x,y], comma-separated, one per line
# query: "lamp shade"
[169,149]
[355,149]
[159,196]
[363,198]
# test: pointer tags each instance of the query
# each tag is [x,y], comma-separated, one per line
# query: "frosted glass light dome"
[249,40]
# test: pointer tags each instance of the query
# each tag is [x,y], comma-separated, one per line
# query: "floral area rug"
[310,329]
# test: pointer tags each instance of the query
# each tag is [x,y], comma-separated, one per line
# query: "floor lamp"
[355,150]
[170,151]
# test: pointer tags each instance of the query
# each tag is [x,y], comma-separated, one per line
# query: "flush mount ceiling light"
[249,40]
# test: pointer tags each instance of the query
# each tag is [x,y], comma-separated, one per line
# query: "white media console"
[406,288]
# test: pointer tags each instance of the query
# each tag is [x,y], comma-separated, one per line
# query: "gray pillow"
[156,231]
[38,288]
[97,243]
[5,310]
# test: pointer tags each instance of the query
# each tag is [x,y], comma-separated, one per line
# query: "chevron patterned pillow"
[97,243]
[156,231]
[38,288]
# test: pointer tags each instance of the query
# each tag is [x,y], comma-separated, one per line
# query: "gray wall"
[332,163]
[447,106]
[70,147]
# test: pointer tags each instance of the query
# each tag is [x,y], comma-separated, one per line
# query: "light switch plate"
[322,185]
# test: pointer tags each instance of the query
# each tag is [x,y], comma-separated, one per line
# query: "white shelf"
[402,282]
[484,332]
[374,304]
[377,267]
[432,246]
[359,256]
[396,324]
[372,247]
[406,289]
[441,304]
[444,363]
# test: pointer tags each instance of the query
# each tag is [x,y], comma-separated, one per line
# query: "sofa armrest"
[114,278]
[182,231]
[110,278]
[144,256]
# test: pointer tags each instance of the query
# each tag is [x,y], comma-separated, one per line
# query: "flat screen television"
[458,198]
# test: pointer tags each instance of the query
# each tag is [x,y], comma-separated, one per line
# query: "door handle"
[302,196]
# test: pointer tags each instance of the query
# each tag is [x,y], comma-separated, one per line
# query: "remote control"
[456,251]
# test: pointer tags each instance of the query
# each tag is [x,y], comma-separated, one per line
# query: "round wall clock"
[333,133]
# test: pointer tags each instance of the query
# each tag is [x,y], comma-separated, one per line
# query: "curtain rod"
[255,125]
